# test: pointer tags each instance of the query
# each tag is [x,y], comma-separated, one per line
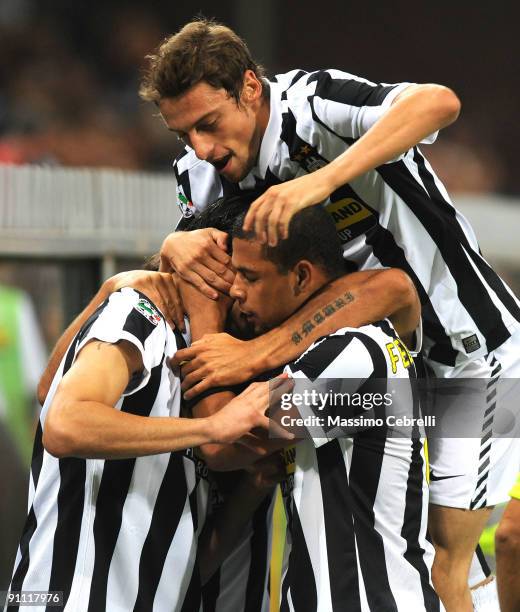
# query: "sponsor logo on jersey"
[434,478]
[148,311]
[187,207]
[351,217]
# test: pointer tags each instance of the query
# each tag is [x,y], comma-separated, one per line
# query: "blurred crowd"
[68,88]
[69,75]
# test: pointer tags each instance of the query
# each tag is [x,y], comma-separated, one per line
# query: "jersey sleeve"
[416,347]
[348,105]
[198,183]
[342,377]
[129,315]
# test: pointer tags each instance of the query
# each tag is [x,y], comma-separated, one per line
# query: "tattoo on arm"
[320,315]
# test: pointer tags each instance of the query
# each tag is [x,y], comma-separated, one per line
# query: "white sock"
[485,597]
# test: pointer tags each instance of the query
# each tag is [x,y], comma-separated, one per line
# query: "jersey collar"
[272,131]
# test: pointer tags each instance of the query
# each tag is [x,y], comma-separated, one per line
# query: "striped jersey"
[357,506]
[116,535]
[241,583]
[397,215]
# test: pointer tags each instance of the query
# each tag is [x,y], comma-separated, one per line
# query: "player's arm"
[350,301]
[82,420]
[415,113]
[242,455]
[208,316]
[158,287]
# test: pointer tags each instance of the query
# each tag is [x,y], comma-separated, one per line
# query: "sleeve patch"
[186,206]
[148,311]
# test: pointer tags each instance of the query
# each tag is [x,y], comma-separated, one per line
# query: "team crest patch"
[147,310]
[309,158]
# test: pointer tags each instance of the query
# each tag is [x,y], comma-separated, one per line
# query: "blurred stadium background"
[85,182]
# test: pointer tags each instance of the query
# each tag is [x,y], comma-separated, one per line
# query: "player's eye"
[209,126]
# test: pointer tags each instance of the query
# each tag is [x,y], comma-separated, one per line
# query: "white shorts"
[478,471]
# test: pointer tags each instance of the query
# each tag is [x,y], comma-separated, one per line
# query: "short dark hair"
[312,234]
[222,213]
[203,50]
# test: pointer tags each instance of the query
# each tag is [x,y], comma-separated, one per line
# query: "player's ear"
[252,88]
[302,275]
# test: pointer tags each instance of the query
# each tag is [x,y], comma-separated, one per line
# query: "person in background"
[23,357]
[507,538]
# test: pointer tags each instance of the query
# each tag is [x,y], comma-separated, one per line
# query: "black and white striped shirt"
[116,535]
[357,507]
[241,583]
[397,215]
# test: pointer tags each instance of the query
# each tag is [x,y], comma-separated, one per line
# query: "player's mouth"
[222,164]
[246,315]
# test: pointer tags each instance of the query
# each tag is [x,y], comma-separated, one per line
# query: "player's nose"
[202,146]
[236,292]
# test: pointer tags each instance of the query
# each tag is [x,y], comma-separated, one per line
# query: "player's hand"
[200,258]
[197,304]
[216,360]
[247,410]
[270,214]
[261,444]
[159,287]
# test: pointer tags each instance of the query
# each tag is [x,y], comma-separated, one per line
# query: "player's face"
[263,294]
[219,130]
